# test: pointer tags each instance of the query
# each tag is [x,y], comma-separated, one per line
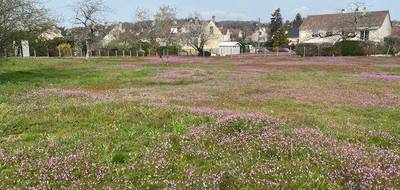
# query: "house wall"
[215,38]
[256,37]
[384,31]
[293,41]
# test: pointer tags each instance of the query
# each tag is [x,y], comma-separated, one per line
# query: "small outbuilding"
[229,48]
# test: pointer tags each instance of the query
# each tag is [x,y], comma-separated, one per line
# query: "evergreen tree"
[276,21]
[298,20]
[280,39]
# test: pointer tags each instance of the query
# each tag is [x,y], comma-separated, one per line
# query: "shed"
[229,48]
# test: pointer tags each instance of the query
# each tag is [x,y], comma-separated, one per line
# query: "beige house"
[370,26]
[215,37]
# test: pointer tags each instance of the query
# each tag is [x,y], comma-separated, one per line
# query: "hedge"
[344,48]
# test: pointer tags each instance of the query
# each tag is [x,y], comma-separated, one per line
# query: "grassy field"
[200,123]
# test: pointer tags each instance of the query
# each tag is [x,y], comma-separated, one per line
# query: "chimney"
[214,19]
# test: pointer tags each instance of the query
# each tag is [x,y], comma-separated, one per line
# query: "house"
[293,36]
[215,37]
[232,34]
[229,48]
[51,34]
[361,25]
[115,30]
[260,35]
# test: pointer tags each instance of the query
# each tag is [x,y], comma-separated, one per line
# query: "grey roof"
[293,33]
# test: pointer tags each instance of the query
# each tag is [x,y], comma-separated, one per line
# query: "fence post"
[99,53]
[34,52]
[116,53]
[48,54]
[59,52]
[304,51]
[123,53]
[130,53]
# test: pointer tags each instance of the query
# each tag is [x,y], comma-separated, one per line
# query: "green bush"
[351,48]
[345,48]
[324,49]
[392,45]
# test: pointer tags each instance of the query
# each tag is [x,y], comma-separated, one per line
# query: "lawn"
[200,123]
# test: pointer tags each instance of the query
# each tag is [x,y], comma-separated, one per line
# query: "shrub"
[392,44]
[324,49]
[351,48]
[344,48]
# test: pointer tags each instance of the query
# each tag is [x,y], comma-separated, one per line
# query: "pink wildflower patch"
[128,67]
[184,75]
[178,59]
[379,76]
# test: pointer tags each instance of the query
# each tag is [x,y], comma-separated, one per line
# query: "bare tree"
[165,22]
[157,29]
[22,16]
[90,15]
[195,35]
[146,28]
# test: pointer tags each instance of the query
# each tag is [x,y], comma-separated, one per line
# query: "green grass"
[76,124]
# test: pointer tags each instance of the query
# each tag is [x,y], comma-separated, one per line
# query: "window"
[329,34]
[211,30]
[315,35]
[364,35]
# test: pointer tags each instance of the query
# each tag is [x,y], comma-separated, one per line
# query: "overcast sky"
[123,10]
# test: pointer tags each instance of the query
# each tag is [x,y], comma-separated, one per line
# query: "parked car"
[287,50]
[262,50]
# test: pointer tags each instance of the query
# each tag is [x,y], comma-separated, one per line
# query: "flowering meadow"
[251,122]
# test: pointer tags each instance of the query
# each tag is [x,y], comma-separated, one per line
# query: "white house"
[260,35]
[116,30]
[229,48]
[361,25]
